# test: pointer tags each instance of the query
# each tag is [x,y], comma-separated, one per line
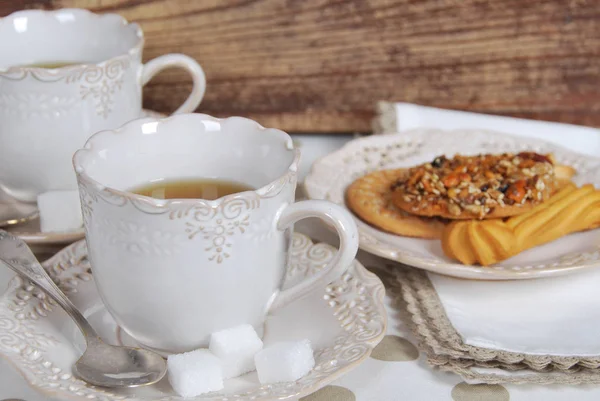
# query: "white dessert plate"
[344,322]
[331,175]
[28,229]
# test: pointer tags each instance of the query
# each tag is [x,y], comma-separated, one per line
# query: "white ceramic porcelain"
[47,114]
[331,175]
[190,266]
[343,320]
[30,231]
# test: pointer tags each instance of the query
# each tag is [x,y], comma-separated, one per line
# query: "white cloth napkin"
[552,316]
[557,316]
[408,116]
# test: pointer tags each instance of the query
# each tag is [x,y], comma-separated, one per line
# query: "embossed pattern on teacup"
[216,224]
[97,82]
[36,104]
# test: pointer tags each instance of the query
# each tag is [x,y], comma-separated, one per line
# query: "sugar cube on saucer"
[194,373]
[284,361]
[236,347]
[60,211]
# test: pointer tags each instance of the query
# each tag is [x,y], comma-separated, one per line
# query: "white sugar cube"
[284,361]
[236,347]
[60,211]
[193,373]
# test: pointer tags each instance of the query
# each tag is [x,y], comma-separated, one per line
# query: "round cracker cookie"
[370,198]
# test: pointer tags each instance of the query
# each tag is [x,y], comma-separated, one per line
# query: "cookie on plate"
[487,242]
[370,198]
[476,187]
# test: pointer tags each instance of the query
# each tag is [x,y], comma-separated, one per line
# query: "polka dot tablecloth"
[396,370]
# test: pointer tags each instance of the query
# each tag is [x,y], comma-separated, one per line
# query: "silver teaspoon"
[101,364]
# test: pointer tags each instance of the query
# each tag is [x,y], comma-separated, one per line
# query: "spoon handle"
[16,255]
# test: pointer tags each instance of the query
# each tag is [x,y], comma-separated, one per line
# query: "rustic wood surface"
[320,65]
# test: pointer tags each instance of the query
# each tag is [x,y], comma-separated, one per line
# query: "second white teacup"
[172,271]
[64,75]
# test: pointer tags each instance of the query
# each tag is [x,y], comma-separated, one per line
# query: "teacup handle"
[154,66]
[347,231]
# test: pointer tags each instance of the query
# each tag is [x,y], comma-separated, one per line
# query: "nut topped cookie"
[481,186]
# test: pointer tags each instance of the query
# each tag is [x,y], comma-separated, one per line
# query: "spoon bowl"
[101,364]
[126,367]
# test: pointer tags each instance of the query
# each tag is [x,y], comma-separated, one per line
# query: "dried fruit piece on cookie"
[487,242]
[480,186]
[370,198]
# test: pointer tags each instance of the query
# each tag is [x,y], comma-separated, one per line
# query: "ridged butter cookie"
[487,242]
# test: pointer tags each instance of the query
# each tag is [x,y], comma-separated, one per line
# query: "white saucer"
[29,230]
[344,321]
[330,176]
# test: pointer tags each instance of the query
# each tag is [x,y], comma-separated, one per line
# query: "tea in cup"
[171,267]
[64,75]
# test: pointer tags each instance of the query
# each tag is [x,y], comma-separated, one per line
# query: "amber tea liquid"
[50,64]
[195,188]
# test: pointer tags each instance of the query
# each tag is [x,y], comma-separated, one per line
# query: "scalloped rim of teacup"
[80,156]
[80,13]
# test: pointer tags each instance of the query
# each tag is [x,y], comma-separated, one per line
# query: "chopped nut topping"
[454,209]
[477,184]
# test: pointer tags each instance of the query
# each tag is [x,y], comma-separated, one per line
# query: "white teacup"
[173,271]
[46,114]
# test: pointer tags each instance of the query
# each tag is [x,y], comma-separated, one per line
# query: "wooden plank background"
[320,65]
